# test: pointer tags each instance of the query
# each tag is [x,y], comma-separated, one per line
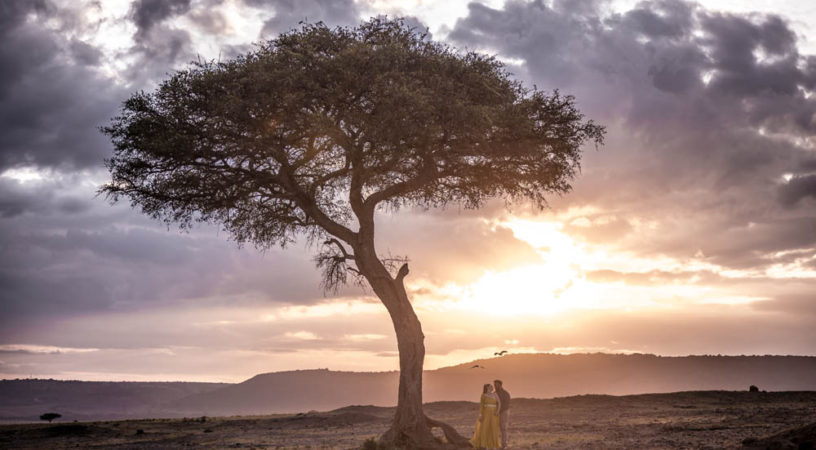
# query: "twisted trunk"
[410,428]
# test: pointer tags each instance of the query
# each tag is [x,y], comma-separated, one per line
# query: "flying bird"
[501,353]
[476,365]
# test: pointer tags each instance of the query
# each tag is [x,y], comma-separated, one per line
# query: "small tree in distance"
[317,130]
[50,416]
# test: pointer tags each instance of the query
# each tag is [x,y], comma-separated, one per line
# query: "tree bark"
[410,428]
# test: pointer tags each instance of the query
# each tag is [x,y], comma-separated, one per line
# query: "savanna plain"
[699,420]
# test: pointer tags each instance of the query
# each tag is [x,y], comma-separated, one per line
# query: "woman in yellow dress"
[487,434]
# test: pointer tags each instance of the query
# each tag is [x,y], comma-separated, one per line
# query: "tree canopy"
[315,130]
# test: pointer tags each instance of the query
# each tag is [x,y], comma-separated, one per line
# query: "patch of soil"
[801,438]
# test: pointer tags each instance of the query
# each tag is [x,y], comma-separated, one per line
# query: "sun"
[552,286]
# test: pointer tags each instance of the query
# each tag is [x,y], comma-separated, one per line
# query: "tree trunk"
[410,428]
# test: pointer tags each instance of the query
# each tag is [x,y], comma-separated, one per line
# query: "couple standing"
[494,415]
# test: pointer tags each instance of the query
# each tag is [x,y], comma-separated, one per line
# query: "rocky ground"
[656,421]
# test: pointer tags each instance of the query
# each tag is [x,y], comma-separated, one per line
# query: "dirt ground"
[700,420]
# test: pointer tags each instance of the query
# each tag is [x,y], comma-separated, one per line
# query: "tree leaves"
[316,130]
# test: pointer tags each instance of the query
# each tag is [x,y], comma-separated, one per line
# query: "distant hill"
[294,391]
[524,375]
[550,375]
[25,400]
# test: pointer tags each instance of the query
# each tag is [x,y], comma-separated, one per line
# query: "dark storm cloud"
[147,13]
[798,188]
[65,253]
[18,199]
[656,43]
[695,102]
[14,11]
[49,107]
[85,54]
[665,19]
[159,48]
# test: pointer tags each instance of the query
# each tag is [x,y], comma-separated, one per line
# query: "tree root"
[408,440]
[453,437]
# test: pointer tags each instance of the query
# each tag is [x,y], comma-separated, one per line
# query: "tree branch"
[309,206]
[346,254]
[335,267]
[402,273]
[402,188]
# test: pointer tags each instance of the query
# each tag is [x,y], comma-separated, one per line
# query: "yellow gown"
[487,433]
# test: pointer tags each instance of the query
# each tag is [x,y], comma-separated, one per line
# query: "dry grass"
[657,421]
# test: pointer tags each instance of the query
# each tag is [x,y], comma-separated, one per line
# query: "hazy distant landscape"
[560,402]
[525,375]
[700,420]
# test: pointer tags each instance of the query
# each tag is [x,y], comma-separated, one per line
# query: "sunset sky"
[691,231]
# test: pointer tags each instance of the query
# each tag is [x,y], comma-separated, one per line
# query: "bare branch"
[333,261]
[346,254]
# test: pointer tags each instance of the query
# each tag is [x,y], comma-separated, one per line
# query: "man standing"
[504,411]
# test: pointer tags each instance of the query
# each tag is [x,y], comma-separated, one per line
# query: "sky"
[691,231]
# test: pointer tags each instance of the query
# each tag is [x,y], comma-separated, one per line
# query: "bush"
[50,416]
[373,444]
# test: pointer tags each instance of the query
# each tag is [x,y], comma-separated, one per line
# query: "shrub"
[50,416]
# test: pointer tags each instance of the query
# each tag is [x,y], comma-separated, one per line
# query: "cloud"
[48,273]
[450,246]
[797,188]
[148,13]
[47,349]
[703,110]
[651,278]
[707,162]
[289,14]
[798,304]
[51,97]
[41,198]
[64,252]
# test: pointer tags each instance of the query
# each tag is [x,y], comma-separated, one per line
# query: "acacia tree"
[50,416]
[314,132]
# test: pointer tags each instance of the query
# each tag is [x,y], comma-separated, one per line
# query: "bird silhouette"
[477,366]
[501,353]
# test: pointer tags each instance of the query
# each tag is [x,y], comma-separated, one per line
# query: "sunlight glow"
[732,300]
[572,276]
[365,337]
[302,335]
[335,308]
